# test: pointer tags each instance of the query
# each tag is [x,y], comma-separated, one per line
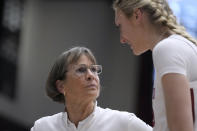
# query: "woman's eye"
[93,69]
[81,69]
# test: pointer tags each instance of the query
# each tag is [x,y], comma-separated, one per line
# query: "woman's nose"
[89,75]
[122,40]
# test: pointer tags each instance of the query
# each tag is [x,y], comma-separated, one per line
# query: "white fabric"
[174,54]
[100,120]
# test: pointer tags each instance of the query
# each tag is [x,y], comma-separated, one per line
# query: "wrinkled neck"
[79,111]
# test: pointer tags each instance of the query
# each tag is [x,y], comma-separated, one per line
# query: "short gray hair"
[59,69]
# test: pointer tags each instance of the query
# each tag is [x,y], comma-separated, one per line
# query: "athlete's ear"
[138,14]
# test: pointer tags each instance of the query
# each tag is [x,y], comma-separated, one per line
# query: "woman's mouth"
[91,86]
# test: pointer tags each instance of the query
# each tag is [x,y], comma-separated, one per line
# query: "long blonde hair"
[159,12]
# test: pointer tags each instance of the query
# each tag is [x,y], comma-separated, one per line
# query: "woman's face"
[82,81]
[130,32]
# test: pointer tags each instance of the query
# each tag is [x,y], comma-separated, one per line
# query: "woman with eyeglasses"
[150,25]
[74,82]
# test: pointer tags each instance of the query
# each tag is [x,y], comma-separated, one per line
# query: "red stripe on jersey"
[192,101]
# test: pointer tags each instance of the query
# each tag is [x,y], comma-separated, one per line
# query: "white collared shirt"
[100,120]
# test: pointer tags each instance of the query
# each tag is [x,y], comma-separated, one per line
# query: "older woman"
[74,81]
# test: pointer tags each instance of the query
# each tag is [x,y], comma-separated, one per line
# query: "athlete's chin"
[138,52]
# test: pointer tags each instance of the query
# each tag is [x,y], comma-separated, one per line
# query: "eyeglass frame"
[77,67]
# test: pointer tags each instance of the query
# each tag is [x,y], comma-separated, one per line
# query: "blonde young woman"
[151,25]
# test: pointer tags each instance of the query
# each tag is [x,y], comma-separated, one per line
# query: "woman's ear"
[138,14]
[60,86]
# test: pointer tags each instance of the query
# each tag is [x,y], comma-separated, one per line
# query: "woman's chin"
[138,52]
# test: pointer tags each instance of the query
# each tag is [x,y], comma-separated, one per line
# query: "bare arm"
[178,102]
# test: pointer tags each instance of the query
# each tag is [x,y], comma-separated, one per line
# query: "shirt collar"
[68,122]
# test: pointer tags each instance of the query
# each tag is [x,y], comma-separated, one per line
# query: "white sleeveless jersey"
[174,54]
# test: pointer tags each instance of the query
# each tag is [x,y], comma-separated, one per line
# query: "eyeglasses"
[83,69]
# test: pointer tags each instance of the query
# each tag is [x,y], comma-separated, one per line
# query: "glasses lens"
[81,69]
[98,69]
[93,69]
